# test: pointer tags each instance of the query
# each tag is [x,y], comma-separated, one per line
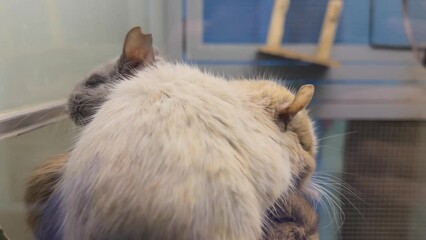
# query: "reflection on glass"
[18,157]
[46,46]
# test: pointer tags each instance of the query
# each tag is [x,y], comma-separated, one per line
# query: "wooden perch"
[325,44]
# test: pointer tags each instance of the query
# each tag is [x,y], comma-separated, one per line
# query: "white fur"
[176,153]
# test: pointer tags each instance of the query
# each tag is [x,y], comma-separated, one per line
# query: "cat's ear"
[302,99]
[137,48]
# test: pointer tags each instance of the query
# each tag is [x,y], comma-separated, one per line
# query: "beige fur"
[297,203]
[257,105]
[179,154]
[40,185]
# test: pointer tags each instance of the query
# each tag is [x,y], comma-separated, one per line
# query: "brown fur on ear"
[302,99]
[138,47]
[40,186]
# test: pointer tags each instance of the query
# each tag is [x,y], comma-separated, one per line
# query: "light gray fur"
[86,98]
[175,153]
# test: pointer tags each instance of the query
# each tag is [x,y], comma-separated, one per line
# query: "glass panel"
[371,172]
[18,157]
[373,175]
[46,46]
[385,162]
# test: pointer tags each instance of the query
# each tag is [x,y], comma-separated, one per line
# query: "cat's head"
[292,117]
[293,216]
[92,91]
[288,111]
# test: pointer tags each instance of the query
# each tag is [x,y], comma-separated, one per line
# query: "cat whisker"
[336,135]
[345,186]
[333,173]
[29,115]
[326,146]
[338,212]
[352,204]
[326,208]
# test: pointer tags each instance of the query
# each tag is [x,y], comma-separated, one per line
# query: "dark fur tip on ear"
[308,89]
[310,86]
[138,48]
[135,29]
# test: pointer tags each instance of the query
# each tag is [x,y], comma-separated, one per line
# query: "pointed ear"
[302,99]
[137,48]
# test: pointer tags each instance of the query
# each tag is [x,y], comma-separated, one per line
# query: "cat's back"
[173,154]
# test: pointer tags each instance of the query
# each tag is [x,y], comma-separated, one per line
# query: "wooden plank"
[328,32]
[281,52]
[324,47]
[277,23]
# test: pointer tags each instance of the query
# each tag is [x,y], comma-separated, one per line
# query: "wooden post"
[277,24]
[328,32]
[325,44]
